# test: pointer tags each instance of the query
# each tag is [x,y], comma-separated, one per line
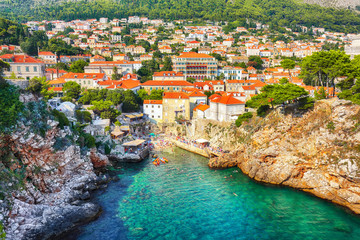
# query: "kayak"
[162,160]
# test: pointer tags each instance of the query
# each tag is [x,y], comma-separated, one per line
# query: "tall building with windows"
[196,65]
[23,67]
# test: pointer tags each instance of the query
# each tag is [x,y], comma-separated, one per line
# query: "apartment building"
[176,105]
[196,65]
[23,67]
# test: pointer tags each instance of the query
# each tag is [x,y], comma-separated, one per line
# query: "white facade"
[154,111]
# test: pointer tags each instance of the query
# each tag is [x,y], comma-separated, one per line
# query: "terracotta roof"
[168,72]
[230,100]
[197,94]
[57,81]
[167,83]
[53,70]
[201,107]
[20,58]
[128,84]
[56,89]
[194,55]
[175,95]
[152,101]
[47,53]
[83,75]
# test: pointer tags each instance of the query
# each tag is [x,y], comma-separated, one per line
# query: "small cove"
[184,199]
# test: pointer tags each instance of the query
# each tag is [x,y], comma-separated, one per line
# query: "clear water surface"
[184,199]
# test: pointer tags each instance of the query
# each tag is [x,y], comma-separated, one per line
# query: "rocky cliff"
[46,182]
[317,151]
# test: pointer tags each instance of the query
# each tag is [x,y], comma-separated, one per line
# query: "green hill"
[272,12]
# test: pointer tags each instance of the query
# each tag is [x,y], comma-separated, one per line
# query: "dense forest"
[272,12]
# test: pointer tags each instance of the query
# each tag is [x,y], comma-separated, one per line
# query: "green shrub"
[2,232]
[107,149]
[262,110]
[331,126]
[243,118]
[61,118]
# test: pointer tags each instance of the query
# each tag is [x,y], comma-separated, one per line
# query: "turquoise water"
[184,199]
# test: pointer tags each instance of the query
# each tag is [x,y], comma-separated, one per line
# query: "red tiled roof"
[56,89]
[230,100]
[201,107]
[167,83]
[152,101]
[84,75]
[194,55]
[175,95]
[20,58]
[158,74]
[47,54]
[197,94]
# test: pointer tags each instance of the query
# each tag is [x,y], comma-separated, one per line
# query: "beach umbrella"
[152,134]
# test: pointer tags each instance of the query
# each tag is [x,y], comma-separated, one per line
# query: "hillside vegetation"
[351,4]
[277,13]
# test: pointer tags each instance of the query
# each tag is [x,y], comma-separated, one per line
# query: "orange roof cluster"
[167,83]
[194,55]
[175,95]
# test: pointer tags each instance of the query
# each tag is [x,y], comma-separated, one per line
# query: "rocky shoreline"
[318,153]
[55,184]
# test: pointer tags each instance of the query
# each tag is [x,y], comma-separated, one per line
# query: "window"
[158,106]
[152,106]
[158,116]
[35,69]
[152,111]
[19,69]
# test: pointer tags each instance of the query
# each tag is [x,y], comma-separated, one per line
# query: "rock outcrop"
[318,152]
[57,182]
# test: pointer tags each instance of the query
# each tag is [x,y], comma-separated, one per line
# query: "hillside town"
[203,72]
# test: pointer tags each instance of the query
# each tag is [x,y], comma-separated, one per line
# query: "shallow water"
[184,199]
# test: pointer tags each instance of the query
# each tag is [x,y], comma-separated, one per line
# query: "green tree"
[130,103]
[256,62]
[277,94]
[143,95]
[39,86]
[105,109]
[115,75]
[243,118]
[10,105]
[288,64]
[284,81]
[167,64]
[71,90]
[321,94]
[61,118]
[322,68]
[190,79]
[83,116]
[156,94]
[78,66]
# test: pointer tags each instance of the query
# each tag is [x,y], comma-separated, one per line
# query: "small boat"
[162,160]
[166,160]
[155,163]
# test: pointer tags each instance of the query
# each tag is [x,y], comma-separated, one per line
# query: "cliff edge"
[317,151]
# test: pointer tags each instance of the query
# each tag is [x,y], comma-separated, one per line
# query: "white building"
[226,108]
[153,109]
